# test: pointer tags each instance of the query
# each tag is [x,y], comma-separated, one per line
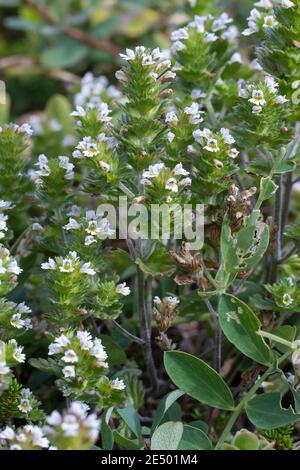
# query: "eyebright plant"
[119,342]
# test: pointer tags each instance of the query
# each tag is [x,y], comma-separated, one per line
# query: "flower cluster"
[262,17]
[286,294]
[9,271]
[262,113]
[165,311]
[46,168]
[165,184]
[70,264]
[26,438]
[93,227]
[94,90]
[74,429]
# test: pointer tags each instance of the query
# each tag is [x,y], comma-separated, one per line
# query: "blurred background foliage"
[46,45]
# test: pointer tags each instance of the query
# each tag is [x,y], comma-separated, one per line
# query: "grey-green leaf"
[265,411]
[194,439]
[167,436]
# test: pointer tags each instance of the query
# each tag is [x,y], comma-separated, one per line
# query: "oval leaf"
[194,439]
[167,436]
[240,326]
[198,380]
[265,411]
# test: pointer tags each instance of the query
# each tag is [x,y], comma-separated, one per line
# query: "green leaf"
[115,353]
[127,443]
[164,405]
[65,55]
[130,416]
[107,435]
[46,365]
[240,326]
[287,332]
[167,436]
[158,264]
[267,189]
[265,411]
[194,439]
[198,380]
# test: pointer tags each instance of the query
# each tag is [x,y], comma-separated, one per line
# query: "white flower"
[85,338]
[210,37]
[105,166]
[6,205]
[70,426]
[171,118]
[170,136]
[185,182]
[256,109]
[80,112]
[153,170]
[267,4]
[178,46]
[287,4]
[14,268]
[68,371]
[227,137]
[89,240]
[197,93]
[16,321]
[18,355]
[172,301]
[269,21]
[120,75]
[171,185]
[25,406]
[130,55]
[3,368]
[178,170]
[257,98]
[86,269]
[221,22]
[194,112]
[123,289]
[271,84]
[157,300]
[58,345]
[212,145]
[287,299]
[67,266]
[72,225]
[147,60]
[280,99]
[117,384]
[50,264]
[8,433]
[54,419]
[70,356]
[236,58]
[179,34]
[233,153]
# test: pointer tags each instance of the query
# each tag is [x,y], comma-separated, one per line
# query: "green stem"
[246,399]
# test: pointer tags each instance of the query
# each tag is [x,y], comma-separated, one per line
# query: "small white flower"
[269,21]
[68,371]
[179,34]
[287,4]
[14,268]
[271,84]
[120,75]
[153,170]
[85,338]
[280,99]
[210,37]
[256,109]
[130,55]
[18,355]
[267,4]
[72,225]
[89,240]
[86,269]
[287,300]
[235,58]
[117,384]
[16,321]
[8,433]
[3,368]
[123,289]
[257,98]
[178,46]
[212,145]
[171,185]
[58,345]
[185,182]
[25,406]
[79,112]
[50,264]
[105,166]
[178,170]
[170,136]
[233,153]
[70,356]
[67,266]
[171,118]
[227,137]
